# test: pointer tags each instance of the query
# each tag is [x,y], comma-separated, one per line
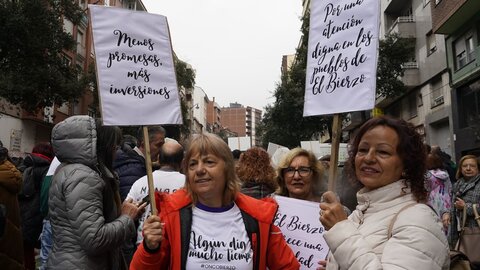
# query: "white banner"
[136,75]
[342,56]
[299,222]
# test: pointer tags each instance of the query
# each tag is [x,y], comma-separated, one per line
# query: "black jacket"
[29,198]
[129,166]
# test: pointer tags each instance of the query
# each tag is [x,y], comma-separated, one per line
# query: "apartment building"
[214,119]
[459,23]
[242,120]
[20,130]
[427,101]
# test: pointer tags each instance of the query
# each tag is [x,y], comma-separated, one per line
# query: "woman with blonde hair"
[300,175]
[256,173]
[210,224]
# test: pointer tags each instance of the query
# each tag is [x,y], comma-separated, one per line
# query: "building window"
[68,26]
[470,111]
[431,43]
[464,50]
[470,49]
[436,90]
[66,60]
[412,105]
[80,43]
[394,110]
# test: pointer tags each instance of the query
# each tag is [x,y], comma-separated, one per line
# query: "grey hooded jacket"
[86,226]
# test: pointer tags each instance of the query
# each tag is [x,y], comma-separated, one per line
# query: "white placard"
[136,75]
[322,149]
[342,56]
[239,143]
[299,222]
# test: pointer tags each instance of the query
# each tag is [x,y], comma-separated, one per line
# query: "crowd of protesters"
[82,201]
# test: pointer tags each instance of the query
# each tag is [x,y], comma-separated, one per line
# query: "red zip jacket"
[273,252]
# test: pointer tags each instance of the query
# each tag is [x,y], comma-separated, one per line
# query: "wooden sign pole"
[336,134]
[148,161]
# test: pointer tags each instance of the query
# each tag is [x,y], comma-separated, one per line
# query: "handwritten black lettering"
[279,220]
[313,246]
[140,91]
[199,242]
[333,29]
[352,5]
[331,10]
[124,38]
[142,73]
[306,262]
[296,224]
[144,59]
[234,256]
[294,242]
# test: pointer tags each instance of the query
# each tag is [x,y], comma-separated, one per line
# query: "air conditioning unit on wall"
[437,101]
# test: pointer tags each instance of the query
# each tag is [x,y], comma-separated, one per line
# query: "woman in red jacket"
[210,224]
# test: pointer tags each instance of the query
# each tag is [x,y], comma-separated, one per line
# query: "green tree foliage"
[33,72]
[283,122]
[393,52]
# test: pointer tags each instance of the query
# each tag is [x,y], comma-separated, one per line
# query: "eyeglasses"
[302,171]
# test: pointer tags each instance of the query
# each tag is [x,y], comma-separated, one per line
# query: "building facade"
[427,102]
[243,121]
[21,130]
[214,119]
[459,22]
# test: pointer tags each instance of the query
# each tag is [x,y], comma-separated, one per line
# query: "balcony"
[404,26]
[447,18]
[411,75]
[396,6]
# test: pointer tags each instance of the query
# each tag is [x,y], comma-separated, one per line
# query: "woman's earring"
[404,174]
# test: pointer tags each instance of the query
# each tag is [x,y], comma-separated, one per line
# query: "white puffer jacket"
[361,242]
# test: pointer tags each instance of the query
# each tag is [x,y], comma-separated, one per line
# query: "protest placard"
[299,222]
[136,75]
[342,56]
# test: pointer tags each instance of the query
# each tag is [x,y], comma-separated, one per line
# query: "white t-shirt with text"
[163,181]
[219,240]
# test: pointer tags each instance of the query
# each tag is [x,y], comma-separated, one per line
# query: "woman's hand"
[152,232]
[446,220]
[331,210]
[322,264]
[459,204]
[133,210]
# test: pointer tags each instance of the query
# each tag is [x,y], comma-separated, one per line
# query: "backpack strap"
[185,230]
[390,226]
[251,225]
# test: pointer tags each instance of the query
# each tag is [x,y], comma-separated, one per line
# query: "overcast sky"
[235,46]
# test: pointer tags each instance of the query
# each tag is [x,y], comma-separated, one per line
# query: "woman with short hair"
[210,224]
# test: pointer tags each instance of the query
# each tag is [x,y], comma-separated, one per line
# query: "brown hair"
[317,169]
[207,143]
[254,166]
[434,160]
[410,148]
[459,174]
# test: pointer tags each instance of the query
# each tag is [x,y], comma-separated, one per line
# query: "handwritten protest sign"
[342,56]
[299,222]
[136,75]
